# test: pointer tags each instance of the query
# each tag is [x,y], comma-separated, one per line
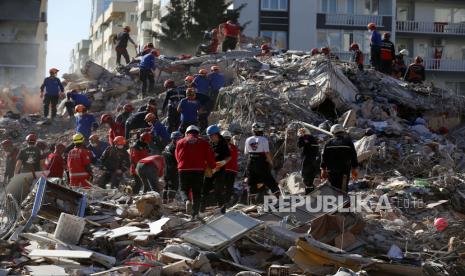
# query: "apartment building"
[23,41]
[79,55]
[112,21]
[432,29]
[149,14]
[98,7]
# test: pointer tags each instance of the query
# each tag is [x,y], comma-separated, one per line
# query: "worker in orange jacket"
[79,159]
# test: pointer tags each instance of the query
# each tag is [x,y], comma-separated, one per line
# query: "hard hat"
[150,117]
[371,26]
[418,59]
[127,28]
[387,35]
[314,51]
[354,46]
[169,83]
[215,68]
[226,134]
[325,50]
[336,129]
[146,137]
[404,52]
[60,148]
[192,128]
[53,70]
[79,108]
[213,129]
[175,135]
[6,143]
[78,138]
[257,127]
[189,79]
[155,52]
[119,141]
[94,138]
[265,47]
[105,118]
[128,108]
[31,138]
[440,224]
[203,71]
[190,91]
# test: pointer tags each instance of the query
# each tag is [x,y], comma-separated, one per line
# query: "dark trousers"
[375,57]
[172,182]
[183,126]
[192,180]
[137,185]
[147,78]
[70,108]
[259,171]
[213,98]
[309,171]
[122,52]
[203,120]
[229,43]
[174,119]
[50,101]
[229,178]
[339,180]
[148,176]
[386,67]
[109,177]
[222,191]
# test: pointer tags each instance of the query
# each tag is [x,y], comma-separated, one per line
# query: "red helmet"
[314,51]
[79,108]
[325,50]
[387,35]
[128,108]
[215,68]
[155,52]
[354,46]
[150,117]
[6,143]
[60,148]
[203,71]
[53,70]
[119,141]
[189,79]
[169,83]
[146,137]
[31,138]
[105,118]
[265,47]
[371,26]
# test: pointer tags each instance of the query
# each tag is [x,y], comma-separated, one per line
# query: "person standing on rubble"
[189,108]
[30,158]
[97,147]
[122,117]
[137,121]
[231,32]
[202,84]
[400,68]
[147,66]
[217,181]
[115,161]
[375,46]
[160,135]
[171,175]
[138,151]
[416,71]
[357,56]
[172,99]
[78,161]
[339,159]
[194,155]
[85,122]
[149,169]
[10,155]
[217,82]
[231,168]
[74,98]
[114,129]
[387,54]
[212,47]
[50,91]
[259,165]
[147,49]
[310,150]
[55,163]
[121,41]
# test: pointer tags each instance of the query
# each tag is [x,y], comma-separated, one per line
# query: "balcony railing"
[447,65]
[353,19]
[431,27]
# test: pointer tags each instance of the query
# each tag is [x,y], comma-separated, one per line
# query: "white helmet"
[336,129]
[303,131]
[192,128]
[404,52]
[226,134]
[257,127]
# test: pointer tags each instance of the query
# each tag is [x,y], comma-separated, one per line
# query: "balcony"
[352,21]
[441,28]
[441,65]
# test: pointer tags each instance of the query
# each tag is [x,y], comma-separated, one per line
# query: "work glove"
[354,174]
[324,174]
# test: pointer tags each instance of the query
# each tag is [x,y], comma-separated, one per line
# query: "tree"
[173,25]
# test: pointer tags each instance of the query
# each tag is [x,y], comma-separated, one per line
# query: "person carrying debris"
[97,147]
[122,117]
[194,155]
[85,122]
[259,165]
[172,99]
[171,175]
[217,181]
[160,135]
[232,167]
[339,159]
[114,129]
[212,47]
[416,71]
[30,158]
[188,108]
[375,46]
[231,32]
[10,155]
[357,56]
[138,151]
[387,54]
[55,163]
[50,91]
[137,121]
[115,161]
[149,169]
[400,68]
[74,98]
[79,160]
[121,41]
[147,66]
[310,150]
[217,82]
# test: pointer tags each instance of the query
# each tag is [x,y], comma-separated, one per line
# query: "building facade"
[98,7]
[23,42]
[149,14]
[79,55]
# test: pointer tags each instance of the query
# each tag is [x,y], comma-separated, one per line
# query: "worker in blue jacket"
[375,46]
[202,84]
[85,122]
[147,66]
[160,134]
[74,98]
[216,83]
[50,91]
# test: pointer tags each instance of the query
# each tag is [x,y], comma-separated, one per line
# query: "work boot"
[188,207]
[223,209]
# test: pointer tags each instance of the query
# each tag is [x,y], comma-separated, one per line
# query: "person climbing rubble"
[399,67]
[147,66]
[416,71]
[212,46]
[339,159]
[217,82]
[231,167]
[10,155]
[55,163]
[114,129]
[171,175]
[85,122]
[97,147]
[122,117]
[115,161]
[310,151]
[149,170]
[50,91]
[30,158]
[231,32]
[79,163]
[139,150]
[160,135]
[216,182]
[194,155]
[121,41]
[259,165]
[172,99]
[137,121]
[375,46]
[74,98]
[387,54]
[357,56]
[189,108]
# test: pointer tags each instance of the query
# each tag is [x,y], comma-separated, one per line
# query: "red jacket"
[137,153]
[194,154]
[157,160]
[232,165]
[78,161]
[55,164]
[231,30]
[115,130]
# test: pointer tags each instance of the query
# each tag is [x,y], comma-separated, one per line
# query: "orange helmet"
[128,108]
[203,71]
[215,68]
[169,83]
[189,79]
[105,118]
[79,108]
[150,117]
[418,59]
[155,52]
[119,141]
[53,70]
[354,46]
[146,137]
[371,26]
[314,51]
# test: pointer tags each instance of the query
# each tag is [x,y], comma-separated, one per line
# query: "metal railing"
[449,65]
[353,19]
[430,27]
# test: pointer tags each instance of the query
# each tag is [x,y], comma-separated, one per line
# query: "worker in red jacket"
[79,159]
[231,32]
[139,151]
[194,156]
[149,169]
[115,129]
[232,167]
[55,163]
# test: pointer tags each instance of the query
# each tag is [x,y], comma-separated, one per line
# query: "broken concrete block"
[149,204]
[70,228]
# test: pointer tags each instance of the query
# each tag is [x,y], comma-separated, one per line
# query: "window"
[277,39]
[368,7]
[274,5]
[459,15]
[133,17]
[328,6]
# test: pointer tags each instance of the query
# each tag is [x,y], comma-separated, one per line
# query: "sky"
[68,23]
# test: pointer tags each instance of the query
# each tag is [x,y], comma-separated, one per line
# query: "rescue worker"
[152,102]
[158,130]
[30,158]
[314,52]
[339,159]
[327,52]
[147,49]
[138,151]
[74,98]
[217,82]
[259,165]
[416,71]
[43,147]
[212,47]
[121,41]
[114,129]
[232,33]
[194,155]
[265,51]
[357,56]
[85,122]
[50,91]
[10,155]
[97,147]
[310,151]
[188,108]
[147,66]
[171,175]
[375,46]
[149,169]
[115,162]
[55,163]
[172,99]
[137,121]
[232,167]
[202,84]
[125,114]
[387,54]
[217,182]
[79,160]
[400,68]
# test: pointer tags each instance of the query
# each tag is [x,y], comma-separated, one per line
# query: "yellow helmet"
[78,138]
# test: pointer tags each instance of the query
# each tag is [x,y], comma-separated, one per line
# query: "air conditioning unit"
[439,42]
